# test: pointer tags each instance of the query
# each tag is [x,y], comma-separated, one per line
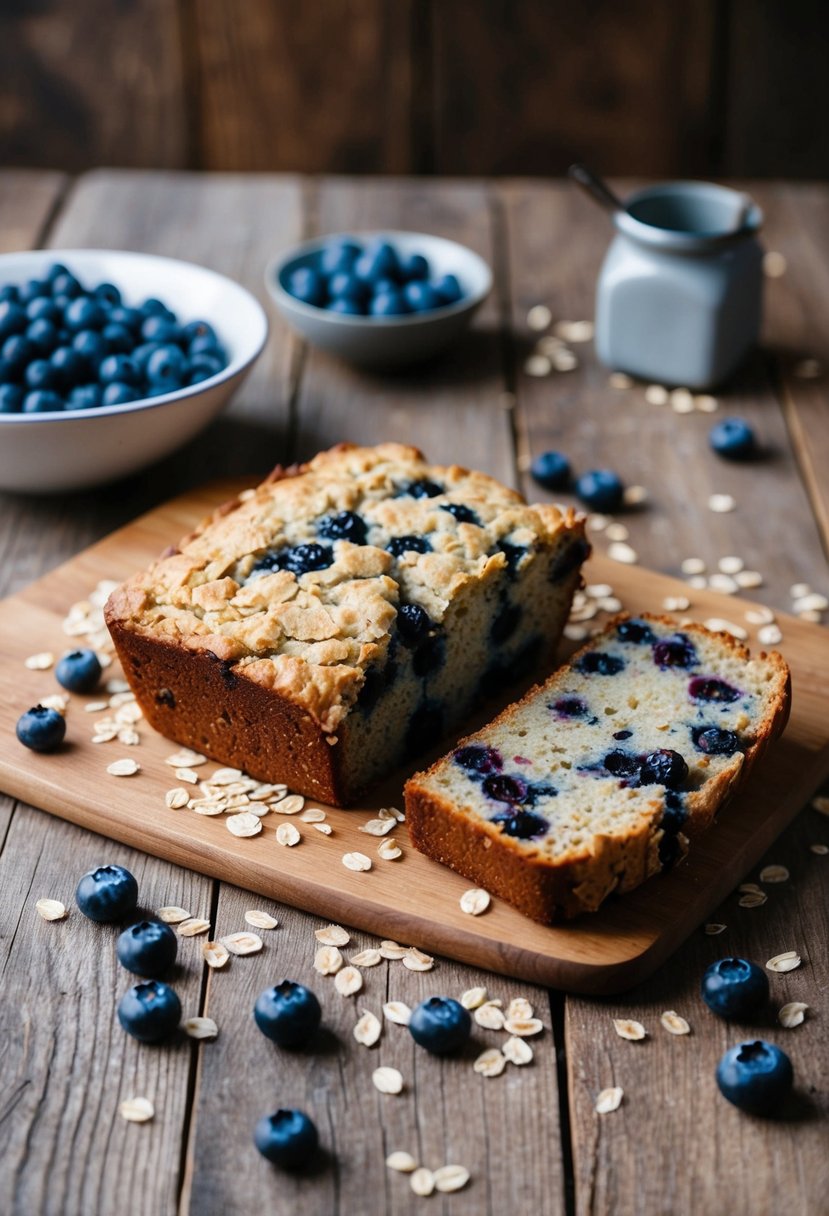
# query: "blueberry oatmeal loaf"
[595,780]
[345,614]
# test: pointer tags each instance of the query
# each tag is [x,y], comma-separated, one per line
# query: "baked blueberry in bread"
[598,777]
[345,615]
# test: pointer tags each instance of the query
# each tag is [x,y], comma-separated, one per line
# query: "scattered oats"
[598,591]
[312,814]
[656,394]
[698,581]
[610,604]
[489,1016]
[752,899]
[288,834]
[387,1080]
[332,935]
[721,504]
[789,960]
[416,960]
[750,888]
[260,920]
[774,874]
[538,365]
[619,380]
[367,958]
[356,861]
[811,615]
[634,496]
[597,523]
[187,774]
[393,950]
[674,1023]
[704,403]
[616,532]
[820,849]
[473,998]
[244,824]
[243,943]
[574,331]
[539,317]
[171,914]
[475,901]
[104,732]
[56,701]
[422,1180]
[264,793]
[717,625]
[712,929]
[128,715]
[520,1007]
[549,345]
[798,590]
[404,1163]
[207,806]
[682,401]
[124,697]
[136,1110]
[51,909]
[517,1051]
[397,1012]
[769,635]
[129,736]
[813,602]
[792,1015]
[328,960]
[324,828]
[291,805]
[620,552]
[256,808]
[575,633]
[759,615]
[524,1027]
[774,264]
[450,1178]
[609,1100]
[123,768]
[808,369]
[394,812]
[564,360]
[676,603]
[389,850]
[41,661]
[378,827]
[628,1029]
[723,583]
[226,776]
[348,981]
[731,565]
[215,954]
[201,1028]
[193,926]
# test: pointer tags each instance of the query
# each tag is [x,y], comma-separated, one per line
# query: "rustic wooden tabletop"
[530,1138]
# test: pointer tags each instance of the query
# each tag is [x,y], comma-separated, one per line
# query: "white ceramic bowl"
[384,341]
[48,453]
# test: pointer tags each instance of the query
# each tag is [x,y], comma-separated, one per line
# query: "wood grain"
[27,200]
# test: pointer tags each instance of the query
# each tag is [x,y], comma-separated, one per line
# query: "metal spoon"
[596,188]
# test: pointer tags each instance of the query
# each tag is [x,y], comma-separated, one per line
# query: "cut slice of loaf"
[595,780]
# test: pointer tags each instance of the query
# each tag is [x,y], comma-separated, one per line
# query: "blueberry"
[41,729]
[11,399]
[308,286]
[78,670]
[140,354]
[448,289]
[288,1013]
[288,1138]
[40,374]
[709,688]
[503,788]
[624,766]
[715,741]
[413,266]
[425,728]
[429,655]
[346,286]
[158,328]
[440,1024]
[636,632]
[422,488]
[595,662]
[413,624]
[621,735]
[147,949]
[55,271]
[107,294]
[118,393]
[398,545]
[85,397]
[379,261]
[514,555]
[165,366]
[119,340]
[664,767]
[388,304]
[478,759]
[348,307]
[69,365]
[13,319]
[505,623]
[84,313]
[43,334]
[601,490]
[91,345]
[17,353]
[570,707]
[42,402]
[421,297]
[464,515]
[118,369]
[339,256]
[755,1077]
[206,344]
[677,651]
[150,1011]
[130,318]
[156,308]
[568,560]
[33,289]
[538,791]
[523,825]
[107,894]
[203,367]
[297,559]
[344,525]
[43,309]
[734,988]
[551,470]
[733,438]
[65,284]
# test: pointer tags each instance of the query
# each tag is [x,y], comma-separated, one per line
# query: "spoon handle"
[598,190]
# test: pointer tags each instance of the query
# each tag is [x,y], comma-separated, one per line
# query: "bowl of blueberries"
[110,360]
[379,299]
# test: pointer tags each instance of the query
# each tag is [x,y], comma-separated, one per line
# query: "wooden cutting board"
[412,900]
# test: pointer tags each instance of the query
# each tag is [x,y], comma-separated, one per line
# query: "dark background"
[663,87]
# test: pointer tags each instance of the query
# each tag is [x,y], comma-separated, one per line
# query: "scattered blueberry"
[677,651]
[621,735]
[664,767]
[623,765]
[288,1138]
[41,729]
[464,515]
[709,688]
[148,948]
[503,788]
[715,740]
[107,894]
[601,490]
[513,554]
[523,825]
[755,1076]
[288,1013]
[398,545]
[733,438]
[78,670]
[570,707]
[734,988]
[637,632]
[298,559]
[569,559]
[596,662]
[440,1024]
[551,470]
[422,488]
[479,759]
[344,525]
[108,294]
[150,1011]
[413,624]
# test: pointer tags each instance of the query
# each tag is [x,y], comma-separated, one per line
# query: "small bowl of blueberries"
[110,360]
[379,299]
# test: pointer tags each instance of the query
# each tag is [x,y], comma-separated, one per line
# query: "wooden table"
[530,1137]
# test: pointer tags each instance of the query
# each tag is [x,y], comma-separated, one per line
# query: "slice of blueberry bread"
[595,780]
[345,615]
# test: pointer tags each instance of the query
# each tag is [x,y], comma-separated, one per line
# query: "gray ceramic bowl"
[384,341]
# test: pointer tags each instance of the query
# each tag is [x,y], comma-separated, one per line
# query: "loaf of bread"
[345,615]
[598,777]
